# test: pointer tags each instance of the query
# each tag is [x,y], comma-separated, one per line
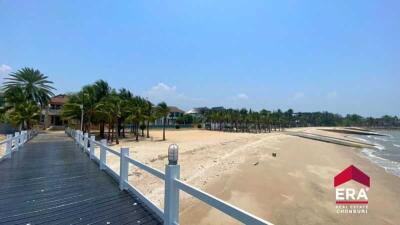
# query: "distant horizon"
[273,55]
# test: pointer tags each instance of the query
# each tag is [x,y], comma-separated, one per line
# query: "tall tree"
[35,85]
[25,114]
[163,111]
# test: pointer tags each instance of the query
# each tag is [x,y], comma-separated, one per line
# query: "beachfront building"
[174,114]
[51,115]
[198,113]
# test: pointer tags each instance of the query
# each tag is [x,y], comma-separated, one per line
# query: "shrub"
[199,126]
[177,126]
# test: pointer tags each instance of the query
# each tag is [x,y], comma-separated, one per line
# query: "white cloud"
[5,69]
[170,95]
[241,96]
[298,95]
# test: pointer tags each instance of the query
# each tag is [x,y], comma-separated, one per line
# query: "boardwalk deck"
[50,181]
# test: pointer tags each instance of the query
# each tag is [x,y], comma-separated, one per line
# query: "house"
[198,113]
[51,115]
[174,114]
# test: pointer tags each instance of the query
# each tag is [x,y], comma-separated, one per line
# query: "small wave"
[389,166]
[396,145]
[380,139]
[378,146]
[361,139]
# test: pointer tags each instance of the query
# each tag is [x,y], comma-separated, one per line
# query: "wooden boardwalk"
[51,181]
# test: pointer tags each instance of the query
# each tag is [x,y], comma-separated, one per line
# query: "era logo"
[351,195]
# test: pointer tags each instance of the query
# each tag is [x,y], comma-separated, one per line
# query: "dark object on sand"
[274,154]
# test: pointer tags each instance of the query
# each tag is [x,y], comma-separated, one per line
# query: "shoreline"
[296,187]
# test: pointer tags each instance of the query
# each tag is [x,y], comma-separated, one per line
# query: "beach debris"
[274,154]
[256,163]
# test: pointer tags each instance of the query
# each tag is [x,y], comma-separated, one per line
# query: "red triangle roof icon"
[351,173]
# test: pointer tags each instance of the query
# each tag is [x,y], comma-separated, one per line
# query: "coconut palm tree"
[35,85]
[163,111]
[150,115]
[112,106]
[25,114]
[102,89]
[136,110]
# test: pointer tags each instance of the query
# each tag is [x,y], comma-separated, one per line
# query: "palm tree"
[112,106]
[150,115]
[102,89]
[87,98]
[25,114]
[35,85]
[163,111]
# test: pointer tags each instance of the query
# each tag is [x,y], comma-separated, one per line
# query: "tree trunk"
[102,129]
[109,131]
[117,138]
[112,133]
[165,120]
[118,127]
[148,125]
[137,131]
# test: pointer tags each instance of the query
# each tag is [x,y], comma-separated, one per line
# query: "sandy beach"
[296,187]
[3,146]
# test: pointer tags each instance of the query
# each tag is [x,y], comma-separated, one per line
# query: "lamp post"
[81,106]
[171,198]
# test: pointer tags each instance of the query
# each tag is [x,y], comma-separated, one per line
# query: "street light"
[81,106]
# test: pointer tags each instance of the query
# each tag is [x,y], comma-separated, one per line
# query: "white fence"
[13,143]
[170,213]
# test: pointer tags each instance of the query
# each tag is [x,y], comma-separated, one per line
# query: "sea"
[387,151]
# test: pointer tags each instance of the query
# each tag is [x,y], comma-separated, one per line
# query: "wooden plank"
[51,181]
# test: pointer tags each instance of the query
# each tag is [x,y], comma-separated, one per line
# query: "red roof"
[59,99]
[351,173]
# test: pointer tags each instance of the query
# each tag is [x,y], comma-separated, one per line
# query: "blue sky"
[340,56]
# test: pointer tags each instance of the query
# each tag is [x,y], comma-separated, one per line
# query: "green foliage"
[35,86]
[26,114]
[264,120]
[24,91]
[185,119]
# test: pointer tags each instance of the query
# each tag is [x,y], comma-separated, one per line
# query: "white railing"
[13,143]
[170,213]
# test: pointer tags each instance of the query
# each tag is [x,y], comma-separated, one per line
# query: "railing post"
[77,137]
[21,135]
[85,142]
[103,154]
[81,138]
[9,145]
[171,197]
[91,153]
[123,168]
[16,137]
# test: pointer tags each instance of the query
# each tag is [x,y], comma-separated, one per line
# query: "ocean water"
[387,151]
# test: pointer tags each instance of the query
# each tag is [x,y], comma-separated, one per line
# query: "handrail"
[112,151]
[173,184]
[13,143]
[147,168]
